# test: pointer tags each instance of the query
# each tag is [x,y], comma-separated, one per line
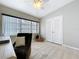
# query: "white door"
[54,31]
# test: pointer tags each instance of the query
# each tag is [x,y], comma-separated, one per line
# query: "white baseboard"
[70,47]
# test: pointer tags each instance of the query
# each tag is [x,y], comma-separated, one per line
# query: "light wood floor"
[47,50]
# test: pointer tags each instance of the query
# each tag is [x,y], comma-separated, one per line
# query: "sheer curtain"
[13,25]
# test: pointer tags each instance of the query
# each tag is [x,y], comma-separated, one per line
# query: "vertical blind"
[13,25]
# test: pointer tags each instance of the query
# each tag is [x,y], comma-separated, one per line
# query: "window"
[33,27]
[37,27]
[26,26]
[10,25]
[13,25]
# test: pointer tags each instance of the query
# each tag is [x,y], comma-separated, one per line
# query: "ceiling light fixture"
[38,4]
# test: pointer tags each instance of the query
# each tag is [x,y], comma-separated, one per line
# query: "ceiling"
[26,6]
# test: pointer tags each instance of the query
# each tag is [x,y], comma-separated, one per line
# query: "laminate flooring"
[47,50]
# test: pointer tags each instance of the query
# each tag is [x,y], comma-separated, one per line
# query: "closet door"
[54,30]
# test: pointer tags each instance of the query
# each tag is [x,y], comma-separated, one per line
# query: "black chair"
[23,52]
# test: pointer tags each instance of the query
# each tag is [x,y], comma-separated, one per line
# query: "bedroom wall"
[70,13]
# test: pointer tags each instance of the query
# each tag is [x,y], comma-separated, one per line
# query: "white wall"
[70,13]
[43,27]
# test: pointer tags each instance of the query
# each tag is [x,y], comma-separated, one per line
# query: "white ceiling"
[27,6]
